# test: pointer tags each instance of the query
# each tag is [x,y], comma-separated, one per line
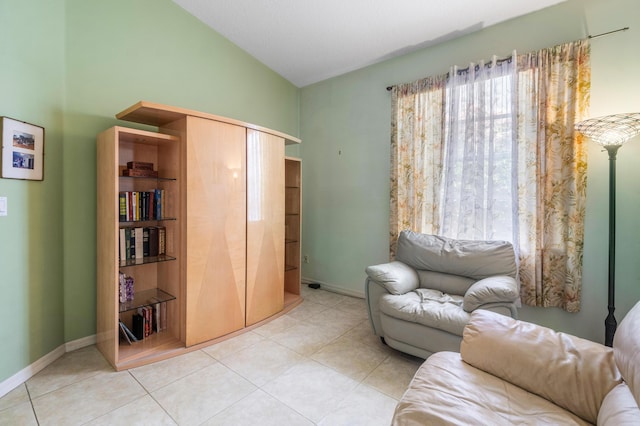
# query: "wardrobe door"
[265,225]
[215,229]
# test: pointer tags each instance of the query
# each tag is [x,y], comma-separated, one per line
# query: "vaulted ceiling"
[307,41]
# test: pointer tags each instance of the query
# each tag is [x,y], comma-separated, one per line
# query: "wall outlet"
[305,258]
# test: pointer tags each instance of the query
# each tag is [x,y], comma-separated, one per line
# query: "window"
[490,152]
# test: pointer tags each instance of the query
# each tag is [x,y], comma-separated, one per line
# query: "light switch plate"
[3,206]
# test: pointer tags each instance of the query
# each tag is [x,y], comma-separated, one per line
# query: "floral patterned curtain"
[552,93]
[417,127]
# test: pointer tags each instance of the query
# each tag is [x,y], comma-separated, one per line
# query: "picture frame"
[22,155]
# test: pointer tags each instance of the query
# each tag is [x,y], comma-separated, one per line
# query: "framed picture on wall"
[22,150]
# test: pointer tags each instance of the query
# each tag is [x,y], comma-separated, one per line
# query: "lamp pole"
[610,322]
[611,132]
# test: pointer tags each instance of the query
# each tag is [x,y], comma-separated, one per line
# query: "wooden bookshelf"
[293,220]
[232,221]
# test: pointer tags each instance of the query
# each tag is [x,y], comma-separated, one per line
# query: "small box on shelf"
[126,293]
[140,173]
[140,169]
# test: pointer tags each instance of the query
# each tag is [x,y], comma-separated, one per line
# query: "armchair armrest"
[396,277]
[496,289]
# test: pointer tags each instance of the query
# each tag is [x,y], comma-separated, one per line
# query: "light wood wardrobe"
[227,265]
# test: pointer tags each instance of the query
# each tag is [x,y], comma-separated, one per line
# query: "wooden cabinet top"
[160,115]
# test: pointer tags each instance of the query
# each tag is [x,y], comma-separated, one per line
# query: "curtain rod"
[389,88]
[607,33]
[461,70]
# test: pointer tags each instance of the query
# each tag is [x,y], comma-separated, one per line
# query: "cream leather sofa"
[420,303]
[511,372]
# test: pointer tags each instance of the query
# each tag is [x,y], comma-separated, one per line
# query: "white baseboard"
[334,288]
[80,343]
[31,370]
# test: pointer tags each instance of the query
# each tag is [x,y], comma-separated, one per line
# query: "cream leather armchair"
[421,302]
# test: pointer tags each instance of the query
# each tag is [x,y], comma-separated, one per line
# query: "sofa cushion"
[473,259]
[574,373]
[395,277]
[498,289]
[433,309]
[447,391]
[619,408]
[446,283]
[626,349]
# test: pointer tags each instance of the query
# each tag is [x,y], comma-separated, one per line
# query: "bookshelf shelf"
[148,349]
[148,178]
[145,298]
[148,220]
[146,260]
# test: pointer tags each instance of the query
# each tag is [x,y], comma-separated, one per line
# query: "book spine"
[163,212]
[129,208]
[145,242]
[142,206]
[163,316]
[153,241]
[138,325]
[139,206]
[132,243]
[134,205]
[122,198]
[139,236]
[148,321]
[152,207]
[156,317]
[158,204]
[127,241]
[162,240]
[124,332]
[128,332]
[122,255]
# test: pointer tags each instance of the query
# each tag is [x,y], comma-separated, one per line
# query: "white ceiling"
[307,41]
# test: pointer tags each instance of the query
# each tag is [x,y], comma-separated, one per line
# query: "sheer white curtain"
[479,184]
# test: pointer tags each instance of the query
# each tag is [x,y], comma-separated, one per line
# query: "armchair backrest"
[626,350]
[473,260]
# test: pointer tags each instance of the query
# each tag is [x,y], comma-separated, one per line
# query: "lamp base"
[610,325]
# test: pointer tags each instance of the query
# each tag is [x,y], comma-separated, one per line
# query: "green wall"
[345,132]
[70,66]
[120,52]
[31,278]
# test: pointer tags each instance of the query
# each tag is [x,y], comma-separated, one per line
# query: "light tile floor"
[319,364]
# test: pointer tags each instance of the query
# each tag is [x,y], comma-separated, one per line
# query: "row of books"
[139,242]
[146,321]
[142,205]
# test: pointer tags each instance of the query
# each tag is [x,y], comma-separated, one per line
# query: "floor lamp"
[611,131]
